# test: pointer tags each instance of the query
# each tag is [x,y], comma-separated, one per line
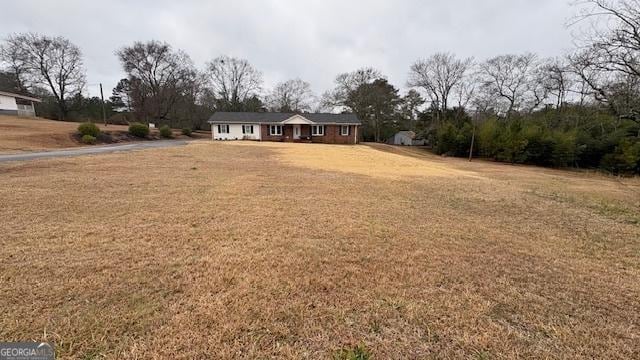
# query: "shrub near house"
[88,139]
[139,130]
[89,128]
[165,132]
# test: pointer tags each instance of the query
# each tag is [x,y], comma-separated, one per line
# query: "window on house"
[247,129]
[317,130]
[275,129]
[223,129]
[344,130]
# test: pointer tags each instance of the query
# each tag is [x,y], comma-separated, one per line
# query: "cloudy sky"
[313,40]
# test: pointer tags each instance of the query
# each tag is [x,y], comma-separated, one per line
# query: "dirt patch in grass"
[255,250]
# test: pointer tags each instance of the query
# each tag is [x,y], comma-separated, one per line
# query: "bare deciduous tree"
[484,102]
[615,38]
[466,90]
[556,79]
[509,77]
[584,64]
[50,61]
[438,75]
[233,81]
[291,96]
[347,83]
[13,56]
[611,54]
[158,76]
[537,91]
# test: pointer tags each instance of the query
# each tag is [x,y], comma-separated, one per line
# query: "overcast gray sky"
[313,40]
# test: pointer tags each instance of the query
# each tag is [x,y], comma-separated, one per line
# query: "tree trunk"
[62,109]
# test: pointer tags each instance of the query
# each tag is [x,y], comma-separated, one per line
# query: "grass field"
[267,250]
[18,134]
[26,134]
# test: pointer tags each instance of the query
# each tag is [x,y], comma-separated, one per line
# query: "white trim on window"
[247,129]
[344,130]
[223,128]
[317,130]
[275,130]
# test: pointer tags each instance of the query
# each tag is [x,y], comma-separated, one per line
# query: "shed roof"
[409,134]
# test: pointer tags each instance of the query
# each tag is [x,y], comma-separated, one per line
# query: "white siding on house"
[235,132]
[8,103]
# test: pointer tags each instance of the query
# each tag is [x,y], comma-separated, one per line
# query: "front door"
[296,132]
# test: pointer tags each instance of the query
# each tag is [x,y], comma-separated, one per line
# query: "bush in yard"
[139,130]
[186,131]
[89,128]
[165,132]
[88,139]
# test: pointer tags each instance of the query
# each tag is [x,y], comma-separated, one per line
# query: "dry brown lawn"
[265,250]
[19,134]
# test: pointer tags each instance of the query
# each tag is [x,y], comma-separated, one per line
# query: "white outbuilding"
[407,138]
[16,104]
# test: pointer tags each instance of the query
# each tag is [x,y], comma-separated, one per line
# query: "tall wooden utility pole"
[474,121]
[104,113]
[473,139]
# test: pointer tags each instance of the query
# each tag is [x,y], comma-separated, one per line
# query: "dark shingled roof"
[270,117]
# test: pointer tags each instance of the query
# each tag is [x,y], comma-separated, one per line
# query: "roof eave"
[274,123]
[24,97]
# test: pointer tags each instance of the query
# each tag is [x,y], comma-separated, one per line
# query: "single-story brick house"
[16,104]
[290,127]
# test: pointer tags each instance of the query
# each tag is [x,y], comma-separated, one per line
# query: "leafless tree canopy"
[158,77]
[556,79]
[53,62]
[510,79]
[610,57]
[291,96]
[13,56]
[438,75]
[616,35]
[345,84]
[233,80]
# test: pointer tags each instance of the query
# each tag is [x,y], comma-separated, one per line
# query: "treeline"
[580,110]
[580,137]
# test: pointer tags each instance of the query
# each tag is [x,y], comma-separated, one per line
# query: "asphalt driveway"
[92,150]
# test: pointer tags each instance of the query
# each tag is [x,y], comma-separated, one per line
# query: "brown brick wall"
[264,134]
[331,134]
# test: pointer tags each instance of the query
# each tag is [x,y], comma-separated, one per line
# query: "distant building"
[16,104]
[406,138]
